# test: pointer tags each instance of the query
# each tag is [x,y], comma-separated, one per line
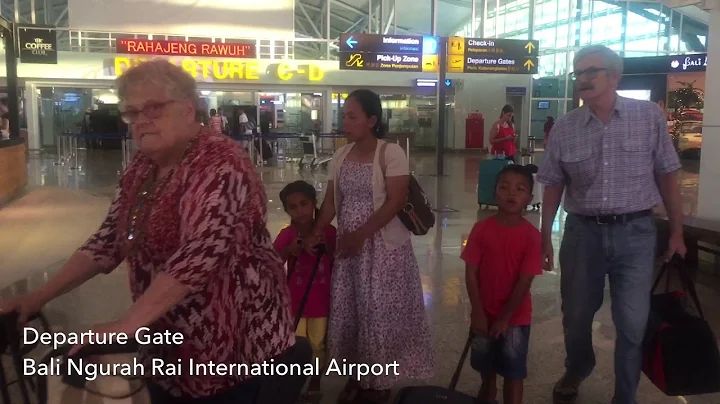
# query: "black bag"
[417,214]
[680,353]
[436,394]
[267,152]
[532,168]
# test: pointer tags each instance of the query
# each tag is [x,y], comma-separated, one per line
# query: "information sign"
[407,53]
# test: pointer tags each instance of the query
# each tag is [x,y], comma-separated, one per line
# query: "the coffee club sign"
[205,69]
[37,44]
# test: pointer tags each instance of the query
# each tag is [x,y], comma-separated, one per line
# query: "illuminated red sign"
[176,48]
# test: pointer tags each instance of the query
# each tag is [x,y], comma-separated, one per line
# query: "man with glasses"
[615,160]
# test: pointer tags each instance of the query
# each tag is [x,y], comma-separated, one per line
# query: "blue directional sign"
[409,53]
[351,42]
[431,83]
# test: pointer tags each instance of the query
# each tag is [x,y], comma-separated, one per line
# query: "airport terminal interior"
[74,149]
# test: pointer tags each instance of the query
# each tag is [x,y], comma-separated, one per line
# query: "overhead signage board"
[390,53]
[687,63]
[478,55]
[240,70]
[189,48]
[38,45]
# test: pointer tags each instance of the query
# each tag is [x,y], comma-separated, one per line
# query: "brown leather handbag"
[417,214]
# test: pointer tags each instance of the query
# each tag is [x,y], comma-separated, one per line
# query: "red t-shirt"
[318,303]
[507,146]
[501,254]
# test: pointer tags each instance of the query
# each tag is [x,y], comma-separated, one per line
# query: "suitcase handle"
[303,301]
[461,362]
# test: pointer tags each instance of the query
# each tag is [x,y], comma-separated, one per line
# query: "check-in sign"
[489,55]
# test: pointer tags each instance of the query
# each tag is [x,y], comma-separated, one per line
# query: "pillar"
[709,184]
[327,111]
[32,113]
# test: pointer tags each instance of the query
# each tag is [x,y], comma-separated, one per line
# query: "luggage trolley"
[309,152]
[329,143]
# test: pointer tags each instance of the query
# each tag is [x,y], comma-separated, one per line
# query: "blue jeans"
[626,254]
[505,356]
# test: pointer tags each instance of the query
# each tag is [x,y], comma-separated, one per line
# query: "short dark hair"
[370,104]
[295,187]
[517,169]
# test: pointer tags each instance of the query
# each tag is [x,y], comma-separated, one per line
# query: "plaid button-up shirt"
[610,168]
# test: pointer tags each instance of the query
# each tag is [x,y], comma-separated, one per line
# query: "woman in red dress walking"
[502,134]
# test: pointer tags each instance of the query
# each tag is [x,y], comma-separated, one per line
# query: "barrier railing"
[311,150]
[67,145]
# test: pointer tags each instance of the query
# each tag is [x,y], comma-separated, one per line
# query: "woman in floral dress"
[377,314]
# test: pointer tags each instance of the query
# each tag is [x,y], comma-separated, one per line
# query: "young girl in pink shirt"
[299,200]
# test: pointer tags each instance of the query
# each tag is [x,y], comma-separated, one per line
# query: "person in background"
[4,119]
[299,200]
[245,127]
[502,134]
[188,218]
[377,314]
[617,162]
[547,128]
[215,122]
[225,123]
[502,258]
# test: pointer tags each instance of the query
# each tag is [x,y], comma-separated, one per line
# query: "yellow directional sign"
[456,46]
[355,60]
[455,64]
[492,55]
[430,63]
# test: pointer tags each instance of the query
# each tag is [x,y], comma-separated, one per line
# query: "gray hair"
[177,83]
[614,61]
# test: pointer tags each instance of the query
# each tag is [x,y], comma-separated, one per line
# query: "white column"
[32,113]
[709,185]
[327,111]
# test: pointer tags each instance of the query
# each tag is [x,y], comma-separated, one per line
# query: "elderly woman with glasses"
[189,219]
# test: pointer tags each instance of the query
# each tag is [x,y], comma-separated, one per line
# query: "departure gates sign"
[507,56]
[395,53]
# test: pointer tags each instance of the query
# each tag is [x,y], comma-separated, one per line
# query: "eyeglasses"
[152,110]
[590,73]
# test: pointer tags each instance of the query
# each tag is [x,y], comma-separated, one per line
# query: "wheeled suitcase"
[537,194]
[487,174]
[437,394]
[288,388]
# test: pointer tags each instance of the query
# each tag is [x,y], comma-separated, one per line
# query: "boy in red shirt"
[502,256]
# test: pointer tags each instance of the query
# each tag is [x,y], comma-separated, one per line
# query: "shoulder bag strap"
[383,165]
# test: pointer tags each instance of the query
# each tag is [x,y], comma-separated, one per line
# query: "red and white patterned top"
[207,229]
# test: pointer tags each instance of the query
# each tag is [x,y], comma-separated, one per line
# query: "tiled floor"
[64,206]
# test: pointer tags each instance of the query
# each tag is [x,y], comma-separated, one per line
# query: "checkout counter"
[13,168]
